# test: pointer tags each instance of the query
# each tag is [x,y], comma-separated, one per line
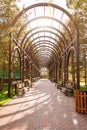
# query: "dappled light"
[43,65]
[42,107]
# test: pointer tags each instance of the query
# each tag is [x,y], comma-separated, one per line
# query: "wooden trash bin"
[81,101]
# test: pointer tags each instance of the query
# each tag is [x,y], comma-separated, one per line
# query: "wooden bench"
[14,85]
[20,89]
[59,84]
[67,89]
[52,79]
[28,84]
[35,79]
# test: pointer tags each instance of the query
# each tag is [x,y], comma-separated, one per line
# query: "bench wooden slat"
[67,89]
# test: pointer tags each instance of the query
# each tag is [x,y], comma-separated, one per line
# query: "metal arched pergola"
[45,38]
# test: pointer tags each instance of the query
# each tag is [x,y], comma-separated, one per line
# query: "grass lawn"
[83,88]
[4,95]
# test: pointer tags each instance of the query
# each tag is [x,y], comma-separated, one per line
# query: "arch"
[59,45]
[44,35]
[50,27]
[71,55]
[50,18]
[46,41]
[19,61]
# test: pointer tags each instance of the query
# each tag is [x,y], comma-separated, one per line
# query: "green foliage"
[4,95]
[8,11]
[79,10]
[75,4]
[83,88]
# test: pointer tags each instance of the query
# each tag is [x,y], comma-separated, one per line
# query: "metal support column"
[9,71]
[56,70]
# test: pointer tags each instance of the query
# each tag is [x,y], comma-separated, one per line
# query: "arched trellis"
[49,27]
[71,54]
[60,41]
[60,38]
[19,55]
[50,18]
[63,65]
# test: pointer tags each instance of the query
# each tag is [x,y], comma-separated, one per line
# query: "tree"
[79,10]
[8,11]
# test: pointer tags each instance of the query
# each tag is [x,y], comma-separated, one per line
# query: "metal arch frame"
[47,5]
[44,59]
[35,48]
[46,17]
[74,23]
[28,49]
[44,4]
[18,51]
[46,42]
[47,32]
[47,56]
[72,49]
[40,5]
[25,53]
[35,53]
[50,27]
[48,50]
[43,37]
[31,48]
[69,52]
[19,54]
[49,42]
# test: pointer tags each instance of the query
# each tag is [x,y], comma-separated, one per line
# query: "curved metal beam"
[40,5]
[53,49]
[44,40]
[49,56]
[50,18]
[47,51]
[46,35]
[50,27]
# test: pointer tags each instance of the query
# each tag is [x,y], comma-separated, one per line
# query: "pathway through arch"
[44,107]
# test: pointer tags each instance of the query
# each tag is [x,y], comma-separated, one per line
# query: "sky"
[26,3]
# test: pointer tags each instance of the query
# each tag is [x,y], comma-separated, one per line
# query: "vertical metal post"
[20,68]
[78,62]
[73,67]
[23,67]
[31,73]
[56,70]
[9,71]
[65,68]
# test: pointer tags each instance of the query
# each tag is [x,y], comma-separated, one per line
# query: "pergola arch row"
[42,47]
[61,40]
[55,48]
[46,55]
[65,33]
[37,43]
[18,56]
[46,51]
[46,17]
[30,43]
[50,27]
